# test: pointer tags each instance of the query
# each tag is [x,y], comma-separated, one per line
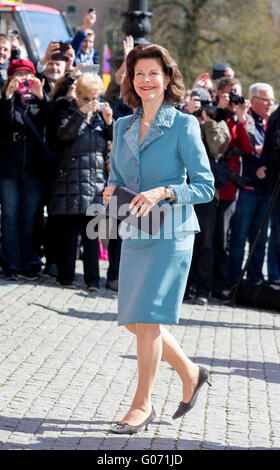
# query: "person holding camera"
[215,136]
[24,116]
[83,130]
[229,98]
[253,198]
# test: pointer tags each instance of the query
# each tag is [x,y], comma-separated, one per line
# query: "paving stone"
[67,371]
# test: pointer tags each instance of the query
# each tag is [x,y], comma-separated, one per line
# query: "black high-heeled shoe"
[183,407]
[123,428]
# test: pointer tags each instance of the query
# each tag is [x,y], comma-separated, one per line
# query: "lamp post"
[136,21]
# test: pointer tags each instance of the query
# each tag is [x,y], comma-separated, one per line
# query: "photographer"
[229,98]
[84,129]
[24,164]
[215,135]
[253,198]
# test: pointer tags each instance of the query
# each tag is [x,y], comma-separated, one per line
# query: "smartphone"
[90,68]
[13,33]
[219,69]
[63,47]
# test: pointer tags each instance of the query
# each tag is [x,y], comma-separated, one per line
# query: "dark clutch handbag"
[118,208]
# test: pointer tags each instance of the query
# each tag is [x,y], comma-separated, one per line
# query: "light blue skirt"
[152,279]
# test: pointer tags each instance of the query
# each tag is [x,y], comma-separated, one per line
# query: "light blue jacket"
[171,152]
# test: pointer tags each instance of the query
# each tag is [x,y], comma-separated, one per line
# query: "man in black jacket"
[271,169]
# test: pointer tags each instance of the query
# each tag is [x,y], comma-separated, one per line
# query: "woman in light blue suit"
[153,153]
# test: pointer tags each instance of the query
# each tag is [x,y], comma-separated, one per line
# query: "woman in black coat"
[23,164]
[83,131]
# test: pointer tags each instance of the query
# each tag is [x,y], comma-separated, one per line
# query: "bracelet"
[172,194]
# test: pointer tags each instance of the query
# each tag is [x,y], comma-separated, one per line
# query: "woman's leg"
[149,352]
[176,358]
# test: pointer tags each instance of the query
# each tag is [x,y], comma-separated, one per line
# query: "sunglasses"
[86,99]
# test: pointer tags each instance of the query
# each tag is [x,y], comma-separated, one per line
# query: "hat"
[21,64]
[203,94]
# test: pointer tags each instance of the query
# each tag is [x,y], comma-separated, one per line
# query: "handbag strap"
[35,131]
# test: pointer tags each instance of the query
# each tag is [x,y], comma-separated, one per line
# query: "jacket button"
[134,162]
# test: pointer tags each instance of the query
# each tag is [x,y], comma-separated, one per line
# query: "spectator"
[83,42]
[119,109]
[271,169]
[84,133]
[215,135]
[228,91]
[253,198]
[52,69]
[8,51]
[23,165]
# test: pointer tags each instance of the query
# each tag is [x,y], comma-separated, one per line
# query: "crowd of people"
[56,136]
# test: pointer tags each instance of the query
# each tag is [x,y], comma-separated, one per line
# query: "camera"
[13,33]
[239,181]
[25,84]
[236,99]
[60,55]
[102,104]
[213,112]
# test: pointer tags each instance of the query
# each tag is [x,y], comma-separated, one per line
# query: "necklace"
[146,123]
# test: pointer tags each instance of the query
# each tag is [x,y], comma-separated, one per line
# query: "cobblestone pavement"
[67,371]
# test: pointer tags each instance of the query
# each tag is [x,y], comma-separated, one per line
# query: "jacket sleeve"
[217,137]
[78,40]
[68,125]
[242,138]
[200,187]
[115,178]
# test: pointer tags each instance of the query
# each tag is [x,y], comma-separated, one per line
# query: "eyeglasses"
[22,73]
[266,100]
[86,99]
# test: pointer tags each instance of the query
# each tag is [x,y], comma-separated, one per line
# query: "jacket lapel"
[164,119]
[132,134]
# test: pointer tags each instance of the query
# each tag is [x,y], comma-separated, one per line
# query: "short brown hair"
[175,90]
[225,82]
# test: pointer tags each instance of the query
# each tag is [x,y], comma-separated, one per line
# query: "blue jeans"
[19,202]
[249,212]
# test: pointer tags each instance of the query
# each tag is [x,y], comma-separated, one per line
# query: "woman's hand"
[143,202]
[194,104]
[107,193]
[37,87]
[241,110]
[90,107]
[12,87]
[107,114]
[76,72]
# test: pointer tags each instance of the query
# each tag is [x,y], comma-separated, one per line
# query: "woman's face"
[150,80]
[84,98]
